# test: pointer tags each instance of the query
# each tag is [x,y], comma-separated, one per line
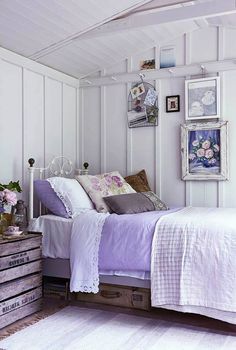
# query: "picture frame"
[147,64]
[172,104]
[204,148]
[167,56]
[202,98]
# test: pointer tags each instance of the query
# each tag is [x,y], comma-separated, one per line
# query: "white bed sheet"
[56,235]
[56,242]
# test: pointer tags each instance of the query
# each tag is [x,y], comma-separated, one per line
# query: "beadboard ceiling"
[81,37]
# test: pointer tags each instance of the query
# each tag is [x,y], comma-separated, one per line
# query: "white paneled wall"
[108,144]
[38,116]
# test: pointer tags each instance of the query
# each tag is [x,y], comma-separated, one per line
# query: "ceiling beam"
[154,4]
[194,11]
[54,47]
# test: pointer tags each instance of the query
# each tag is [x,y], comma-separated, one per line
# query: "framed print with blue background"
[204,148]
[202,98]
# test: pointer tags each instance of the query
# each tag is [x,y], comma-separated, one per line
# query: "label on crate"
[19,301]
[18,259]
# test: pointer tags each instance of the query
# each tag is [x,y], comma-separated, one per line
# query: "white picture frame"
[204,148]
[202,98]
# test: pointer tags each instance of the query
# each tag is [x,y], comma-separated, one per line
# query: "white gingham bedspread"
[194,259]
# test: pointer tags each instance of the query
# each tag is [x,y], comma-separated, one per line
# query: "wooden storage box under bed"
[131,297]
[20,277]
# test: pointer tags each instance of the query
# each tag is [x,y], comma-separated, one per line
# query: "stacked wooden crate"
[20,277]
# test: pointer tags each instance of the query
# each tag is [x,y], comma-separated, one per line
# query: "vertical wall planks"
[32,105]
[33,116]
[69,122]
[53,119]
[11,127]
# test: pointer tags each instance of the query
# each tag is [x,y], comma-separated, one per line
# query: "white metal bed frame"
[62,166]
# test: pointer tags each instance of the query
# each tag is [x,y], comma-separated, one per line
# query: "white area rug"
[76,328]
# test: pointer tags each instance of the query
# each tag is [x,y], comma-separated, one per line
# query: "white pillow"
[71,194]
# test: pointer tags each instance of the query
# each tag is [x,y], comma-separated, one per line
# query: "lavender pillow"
[49,199]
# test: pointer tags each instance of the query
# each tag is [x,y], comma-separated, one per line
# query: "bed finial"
[31,162]
[86,165]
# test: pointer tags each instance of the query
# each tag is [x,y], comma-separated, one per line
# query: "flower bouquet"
[7,198]
[205,152]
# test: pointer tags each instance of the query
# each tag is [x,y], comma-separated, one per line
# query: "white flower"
[206,144]
[216,147]
[195,143]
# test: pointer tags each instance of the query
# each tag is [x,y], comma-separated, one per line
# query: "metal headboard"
[59,166]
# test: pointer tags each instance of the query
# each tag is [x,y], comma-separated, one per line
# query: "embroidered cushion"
[49,199]
[134,203]
[99,186]
[138,181]
[72,194]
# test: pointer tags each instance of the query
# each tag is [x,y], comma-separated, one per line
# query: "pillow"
[133,203]
[139,181]
[49,199]
[72,194]
[99,186]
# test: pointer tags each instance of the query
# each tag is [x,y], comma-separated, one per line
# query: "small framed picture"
[147,64]
[202,98]
[172,104]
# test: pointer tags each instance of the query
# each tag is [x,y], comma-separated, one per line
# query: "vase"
[3,224]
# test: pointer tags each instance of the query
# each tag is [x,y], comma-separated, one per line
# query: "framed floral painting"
[204,148]
[202,98]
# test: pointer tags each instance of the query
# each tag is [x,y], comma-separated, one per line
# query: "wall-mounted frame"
[202,98]
[204,148]
[172,104]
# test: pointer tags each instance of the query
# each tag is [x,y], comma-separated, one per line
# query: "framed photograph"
[167,57]
[202,98]
[204,148]
[137,90]
[147,64]
[172,104]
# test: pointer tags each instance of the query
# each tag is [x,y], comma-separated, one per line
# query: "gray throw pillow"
[133,203]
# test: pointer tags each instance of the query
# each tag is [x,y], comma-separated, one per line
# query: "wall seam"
[103,149]
[129,132]
[221,53]
[187,48]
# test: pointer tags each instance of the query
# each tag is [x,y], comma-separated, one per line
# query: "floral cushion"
[103,185]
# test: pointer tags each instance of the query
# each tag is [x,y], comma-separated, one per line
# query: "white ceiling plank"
[199,10]
[74,36]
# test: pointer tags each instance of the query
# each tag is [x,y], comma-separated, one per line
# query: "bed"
[186,269]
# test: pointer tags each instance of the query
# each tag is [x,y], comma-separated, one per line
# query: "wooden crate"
[131,297]
[20,277]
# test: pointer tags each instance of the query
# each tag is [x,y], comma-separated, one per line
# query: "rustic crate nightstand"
[20,277]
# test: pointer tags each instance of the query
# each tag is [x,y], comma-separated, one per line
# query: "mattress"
[56,243]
